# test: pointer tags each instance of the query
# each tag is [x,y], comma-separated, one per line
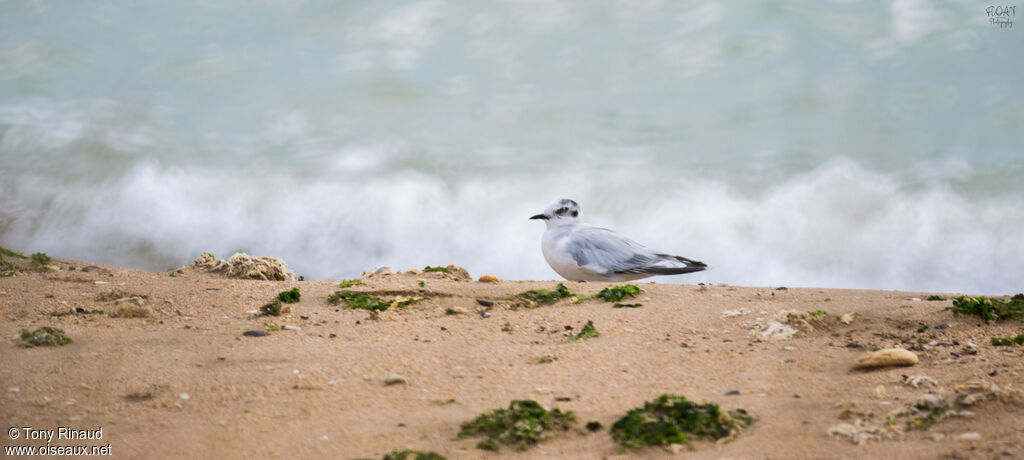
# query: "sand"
[186,382]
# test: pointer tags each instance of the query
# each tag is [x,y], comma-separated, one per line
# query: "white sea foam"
[837,226]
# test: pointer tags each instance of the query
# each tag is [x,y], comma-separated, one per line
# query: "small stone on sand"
[488,279]
[395,379]
[971,436]
[887,357]
[255,333]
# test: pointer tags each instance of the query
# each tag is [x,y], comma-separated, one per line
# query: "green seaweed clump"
[627,305]
[7,269]
[413,455]
[989,309]
[545,296]
[41,261]
[522,425]
[673,419]
[271,309]
[1008,340]
[44,337]
[359,300]
[350,283]
[818,313]
[438,268]
[934,298]
[9,253]
[933,416]
[289,296]
[588,332]
[617,293]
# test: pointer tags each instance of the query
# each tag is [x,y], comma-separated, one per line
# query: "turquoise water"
[835,144]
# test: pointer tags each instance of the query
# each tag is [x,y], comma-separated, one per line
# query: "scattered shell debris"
[242,265]
[773,330]
[803,321]
[920,381]
[733,313]
[857,433]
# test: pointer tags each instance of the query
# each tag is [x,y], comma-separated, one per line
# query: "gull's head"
[560,212]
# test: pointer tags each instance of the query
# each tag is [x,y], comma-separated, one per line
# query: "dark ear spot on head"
[575,213]
[560,211]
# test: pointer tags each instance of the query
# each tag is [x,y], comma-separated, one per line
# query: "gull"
[581,252]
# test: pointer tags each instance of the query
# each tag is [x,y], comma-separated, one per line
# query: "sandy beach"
[185,382]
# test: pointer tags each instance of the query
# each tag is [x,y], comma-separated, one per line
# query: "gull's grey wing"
[606,252]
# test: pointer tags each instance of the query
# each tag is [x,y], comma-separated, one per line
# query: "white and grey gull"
[581,252]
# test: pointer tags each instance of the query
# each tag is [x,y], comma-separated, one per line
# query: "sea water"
[834,144]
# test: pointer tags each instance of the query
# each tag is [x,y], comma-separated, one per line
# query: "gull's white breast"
[553,245]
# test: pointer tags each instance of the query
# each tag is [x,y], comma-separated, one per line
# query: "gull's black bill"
[540,216]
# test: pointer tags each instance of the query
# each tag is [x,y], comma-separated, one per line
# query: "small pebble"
[942,326]
[972,436]
[395,379]
[732,393]
[489,279]
[887,357]
[185,396]
[255,333]
[484,303]
[289,327]
[789,348]
[14,389]
[323,437]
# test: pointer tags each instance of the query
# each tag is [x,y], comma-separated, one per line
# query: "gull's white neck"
[556,222]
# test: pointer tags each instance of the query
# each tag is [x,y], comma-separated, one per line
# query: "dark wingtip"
[694,263]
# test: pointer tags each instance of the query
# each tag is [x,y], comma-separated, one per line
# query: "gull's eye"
[575,213]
